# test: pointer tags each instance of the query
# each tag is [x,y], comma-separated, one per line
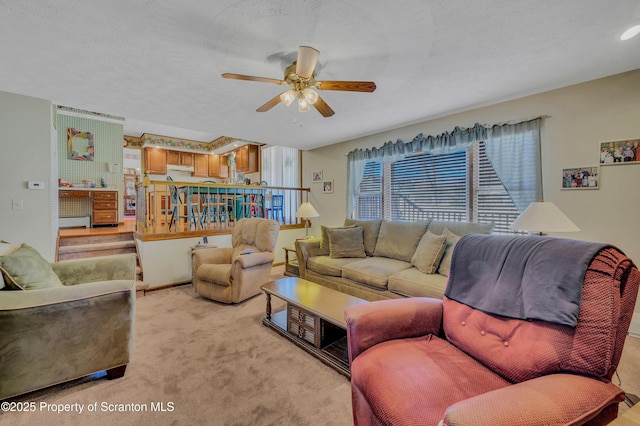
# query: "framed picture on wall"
[316,176]
[79,145]
[587,177]
[327,186]
[620,152]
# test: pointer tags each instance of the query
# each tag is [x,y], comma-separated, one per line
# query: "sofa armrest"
[254,259]
[219,255]
[117,267]
[376,322]
[56,334]
[552,399]
[304,250]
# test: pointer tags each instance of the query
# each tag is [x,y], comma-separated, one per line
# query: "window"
[460,186]
[281,167]
[491,201]
[369,201]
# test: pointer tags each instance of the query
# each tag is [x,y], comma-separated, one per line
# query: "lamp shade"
[306,210]
[543,216]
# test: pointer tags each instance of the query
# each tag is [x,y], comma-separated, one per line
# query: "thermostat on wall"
[36,185]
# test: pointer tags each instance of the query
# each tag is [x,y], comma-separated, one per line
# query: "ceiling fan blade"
[349,86]
[252,78]
[306,63]
[270,104]
[323,108]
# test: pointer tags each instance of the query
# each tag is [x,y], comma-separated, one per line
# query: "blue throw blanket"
[521,277]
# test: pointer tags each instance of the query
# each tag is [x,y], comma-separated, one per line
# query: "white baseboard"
[634,328]
[74,222]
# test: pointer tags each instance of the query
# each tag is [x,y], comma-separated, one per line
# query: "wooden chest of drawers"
[104,208]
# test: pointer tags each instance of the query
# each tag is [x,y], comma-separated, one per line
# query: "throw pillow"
[429,252]
[25,269]
[346,242]
[370,230]
[5,248]
[452,239]
[324,242]
[398,240]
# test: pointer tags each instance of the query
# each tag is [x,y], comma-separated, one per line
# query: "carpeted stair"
[81,247]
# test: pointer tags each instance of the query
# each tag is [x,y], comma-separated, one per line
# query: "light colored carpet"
[215,364]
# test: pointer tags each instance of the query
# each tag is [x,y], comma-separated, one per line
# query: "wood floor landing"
[126,227]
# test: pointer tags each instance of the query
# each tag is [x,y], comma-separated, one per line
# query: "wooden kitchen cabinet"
[218,166]
[200,165]
[180,158]
[155,161]
[173,157]
[247,159]
[186,158]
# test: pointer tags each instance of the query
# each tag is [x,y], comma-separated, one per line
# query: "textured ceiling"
[158,62]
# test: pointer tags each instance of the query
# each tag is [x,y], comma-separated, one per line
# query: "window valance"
[512,148]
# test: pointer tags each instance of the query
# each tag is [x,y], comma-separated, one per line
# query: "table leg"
[268,306]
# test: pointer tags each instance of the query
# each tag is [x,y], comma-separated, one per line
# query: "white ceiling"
[158,62]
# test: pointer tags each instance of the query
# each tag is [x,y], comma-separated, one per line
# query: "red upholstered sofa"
[423,361]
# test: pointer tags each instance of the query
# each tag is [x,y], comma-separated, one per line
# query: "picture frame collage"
[610,153]
[327,184]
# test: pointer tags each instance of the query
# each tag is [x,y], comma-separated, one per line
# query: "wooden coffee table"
[313,319]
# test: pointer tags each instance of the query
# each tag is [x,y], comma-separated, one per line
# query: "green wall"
[108,149]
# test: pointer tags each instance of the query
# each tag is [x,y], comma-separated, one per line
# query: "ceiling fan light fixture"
[303,104]
[310,95]
[288,97]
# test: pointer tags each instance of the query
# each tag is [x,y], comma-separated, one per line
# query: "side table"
[291,264]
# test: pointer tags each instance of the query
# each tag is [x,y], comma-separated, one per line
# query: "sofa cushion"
[398,240]
[324,250]
[429,252]
[374,271]
[427,368]
[370,230]
[452,239]
[25,269]
[327,266]
[413,283]
[346,242]
[460,228]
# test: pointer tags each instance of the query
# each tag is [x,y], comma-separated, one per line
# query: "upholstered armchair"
[226,274]
[547,358]
[65,320]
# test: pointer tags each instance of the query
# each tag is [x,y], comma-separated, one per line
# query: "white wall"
[581,116]
[169,261]
[26,146]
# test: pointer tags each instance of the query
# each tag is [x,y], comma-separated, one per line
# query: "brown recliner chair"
[228,276]
[428,361]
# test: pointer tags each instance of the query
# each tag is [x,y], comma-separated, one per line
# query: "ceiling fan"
[301,79]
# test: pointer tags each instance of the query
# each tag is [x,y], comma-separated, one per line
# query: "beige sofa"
[379,259]
[64,320]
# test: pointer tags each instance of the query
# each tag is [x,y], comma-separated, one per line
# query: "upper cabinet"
[155,161]
[204,165]
[218,166]
[247,159]
[200,165]
[180,158]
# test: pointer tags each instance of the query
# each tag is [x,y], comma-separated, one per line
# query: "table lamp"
[543,217]
[306,211]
